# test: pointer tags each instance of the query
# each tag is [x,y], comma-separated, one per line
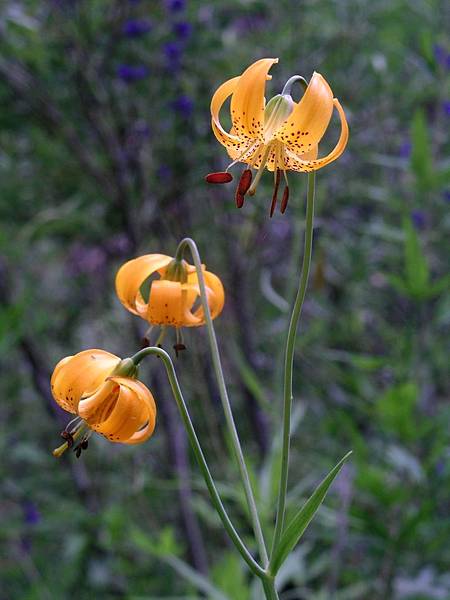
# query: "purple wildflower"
[175,5]
[86,260]
[31,515]
[132,73]
[439,53]
[446,107]
[182,30]
[405,149]
[447,195]
[183,105]
[164,172]
[136,27]
[419,219]
[173,53]
[441,56]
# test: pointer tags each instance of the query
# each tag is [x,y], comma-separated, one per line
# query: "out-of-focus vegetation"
[104,142]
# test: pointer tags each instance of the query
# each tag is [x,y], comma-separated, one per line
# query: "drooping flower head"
[104,394]
[280,135]
[173,291]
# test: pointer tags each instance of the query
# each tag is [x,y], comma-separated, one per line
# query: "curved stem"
[289,360]
[225,400]
[215,497]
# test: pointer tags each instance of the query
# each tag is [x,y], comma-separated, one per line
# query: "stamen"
[220,177]
[239,199]
[245,155]
[275,192]
[70,438]
[242,188]
[161,336]
[145,342]
[179,346]
[79,419]
[244,182]
[285,200]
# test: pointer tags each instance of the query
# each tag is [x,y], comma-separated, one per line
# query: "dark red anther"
[275,193]
[244,182]
[178,348]
[285,200]
[221,177]
[239,199]
[68,437]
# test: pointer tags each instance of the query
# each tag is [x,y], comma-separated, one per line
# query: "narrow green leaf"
[301,520]
[417,273]
[421,163]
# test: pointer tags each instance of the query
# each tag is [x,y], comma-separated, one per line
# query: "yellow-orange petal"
[124,410]
[216,296]
[132,275]
[169,304]
[81,374]
[234,143]
[247,100]
[297,163]
[310,118]
[149,419]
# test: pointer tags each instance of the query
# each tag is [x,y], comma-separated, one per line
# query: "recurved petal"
[146,429]
[79,375]
[310,118]
[217,300]
[132,275]
[247,101]
[298,163]
[230,140]
[132,411]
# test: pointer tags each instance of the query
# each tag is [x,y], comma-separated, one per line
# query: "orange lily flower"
[102,391]
[282,135]
[172,295]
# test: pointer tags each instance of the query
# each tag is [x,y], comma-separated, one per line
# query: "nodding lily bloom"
[282,135]
[104,394]
[173,296]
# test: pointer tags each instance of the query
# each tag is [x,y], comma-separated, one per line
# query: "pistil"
[252,189]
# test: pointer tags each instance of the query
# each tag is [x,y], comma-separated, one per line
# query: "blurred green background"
[104,142]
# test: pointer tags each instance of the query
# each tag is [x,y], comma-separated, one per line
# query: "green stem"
[215,497]
[289,360]
[269,588]
[224,398]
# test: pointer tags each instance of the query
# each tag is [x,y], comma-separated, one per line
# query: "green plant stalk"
[289,360]
[187,242]
[215,497]
[269,588]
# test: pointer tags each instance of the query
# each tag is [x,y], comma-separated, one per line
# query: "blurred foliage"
[104,142]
